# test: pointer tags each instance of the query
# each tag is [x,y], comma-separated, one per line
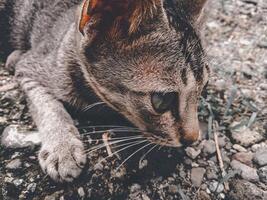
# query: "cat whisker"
[129,146]
[111,130]
[105,126]
[87,108]
[150,150]
[116,138]
[129,157]
[95,148]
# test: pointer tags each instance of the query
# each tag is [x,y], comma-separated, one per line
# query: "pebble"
[197,175]
[220,85]
[246,137]
[260,158]
[215,186]
[222,195]
[242,189]
[135,188]
[247,173]
[260,146]
[18,182]
[239,148]
[173,189]
[209,147]
[192,153]
[13,138]
[211,174]
[222,141]
[14,164]
[32,187]
[262,172]
[54,196]
[244,157]
[81,192]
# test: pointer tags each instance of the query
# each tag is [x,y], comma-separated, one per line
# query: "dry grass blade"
[231,100]
[219,155]
[252,119]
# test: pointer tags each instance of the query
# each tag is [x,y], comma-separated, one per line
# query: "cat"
[143,58]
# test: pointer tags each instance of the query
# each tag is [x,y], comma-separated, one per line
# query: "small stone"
[54,196]
[13,138]
[81,192]
[14,164]
[220,85]
[8,179]
[242,189]
[211,174]
[143,164]
[260,158]
[258,147]
[204,195]
[192,153]
[173,189]
[222,141]
[209,147]
[244,157]
[247,172]
[197,175]
[32,187]
[228,146]
[222,195]
[262,172]
[215,186]
[18,182]
[239,148]
[245,136]
[194,164]
[135,188]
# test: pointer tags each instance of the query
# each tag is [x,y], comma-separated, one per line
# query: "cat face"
[151,69]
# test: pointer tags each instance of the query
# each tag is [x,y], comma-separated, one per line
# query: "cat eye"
[163,102]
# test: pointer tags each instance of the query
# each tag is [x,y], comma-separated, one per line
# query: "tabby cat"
[143,58]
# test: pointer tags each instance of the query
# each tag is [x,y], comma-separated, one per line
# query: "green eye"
[163,102]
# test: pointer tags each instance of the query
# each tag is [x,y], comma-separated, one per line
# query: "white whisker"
[132,155]
[151,149]
[111,130]
[133,144]
[95,148]
[87,108]
[107,126]
[116,138]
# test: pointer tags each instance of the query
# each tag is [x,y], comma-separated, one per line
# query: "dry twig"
[219,154]
[106,138]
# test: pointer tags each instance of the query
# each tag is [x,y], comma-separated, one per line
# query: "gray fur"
[53,61]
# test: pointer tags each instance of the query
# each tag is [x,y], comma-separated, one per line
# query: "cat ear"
[122,15]
[193,8]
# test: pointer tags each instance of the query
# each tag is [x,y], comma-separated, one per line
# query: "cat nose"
[189,138]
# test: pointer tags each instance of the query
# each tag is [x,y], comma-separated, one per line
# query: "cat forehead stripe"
[190,44]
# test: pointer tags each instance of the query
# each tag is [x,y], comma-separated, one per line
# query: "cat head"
[145,59]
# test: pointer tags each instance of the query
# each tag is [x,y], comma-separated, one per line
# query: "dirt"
[235,102]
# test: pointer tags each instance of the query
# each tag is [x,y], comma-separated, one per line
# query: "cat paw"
[63,161]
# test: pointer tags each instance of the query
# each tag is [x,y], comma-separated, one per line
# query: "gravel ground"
[233,112]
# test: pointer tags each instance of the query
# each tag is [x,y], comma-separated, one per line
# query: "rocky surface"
[234,109]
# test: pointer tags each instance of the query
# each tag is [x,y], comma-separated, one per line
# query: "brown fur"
[124,16]
[130,51]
